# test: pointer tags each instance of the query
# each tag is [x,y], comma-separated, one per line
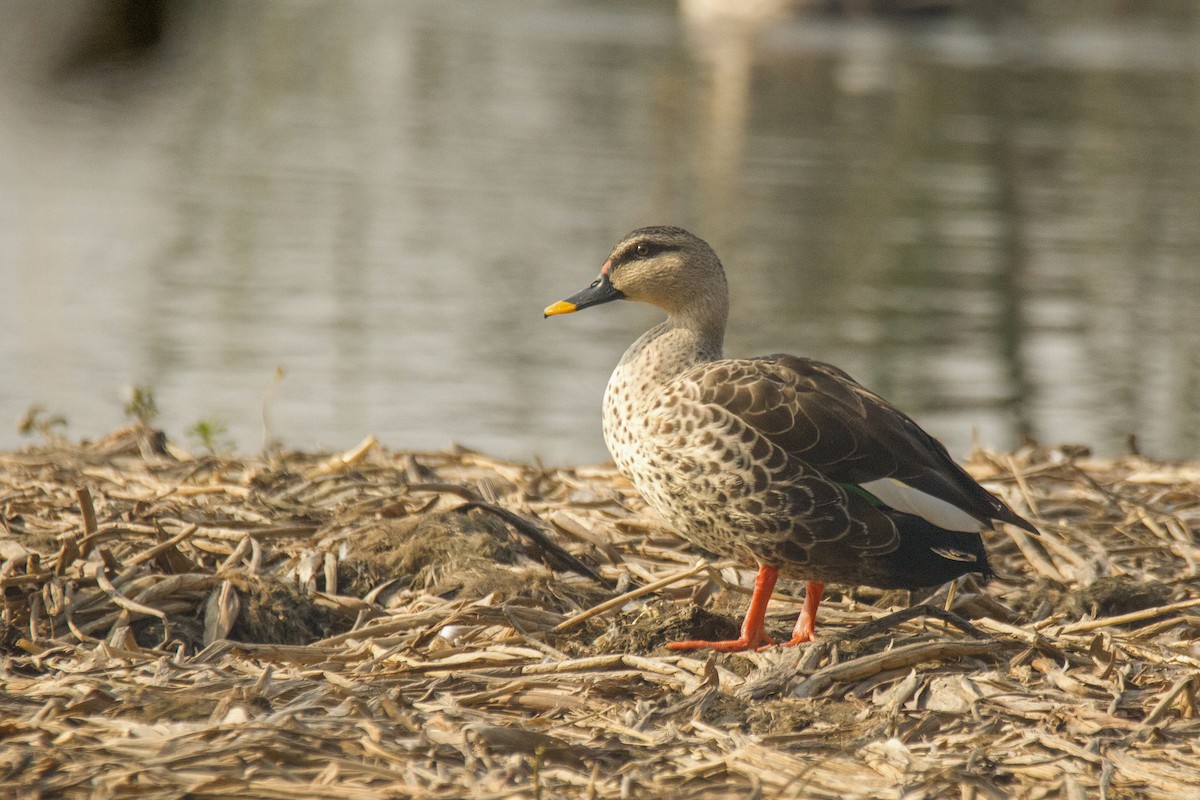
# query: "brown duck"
[779,461]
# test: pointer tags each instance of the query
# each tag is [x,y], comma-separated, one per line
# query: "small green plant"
[37,420]
[141,405]
[210,434]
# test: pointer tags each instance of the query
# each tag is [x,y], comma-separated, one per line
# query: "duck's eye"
[642,250]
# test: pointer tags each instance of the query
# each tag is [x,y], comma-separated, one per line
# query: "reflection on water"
[992,218]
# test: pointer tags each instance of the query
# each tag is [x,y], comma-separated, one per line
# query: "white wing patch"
[902,497]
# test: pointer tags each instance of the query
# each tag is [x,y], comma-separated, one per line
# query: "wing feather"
[821,416]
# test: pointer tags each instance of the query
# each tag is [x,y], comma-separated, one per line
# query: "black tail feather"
[929,555]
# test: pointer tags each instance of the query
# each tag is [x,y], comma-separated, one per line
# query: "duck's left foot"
[806,623]
[797,638]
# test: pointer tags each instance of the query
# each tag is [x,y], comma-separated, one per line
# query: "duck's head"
[664,266]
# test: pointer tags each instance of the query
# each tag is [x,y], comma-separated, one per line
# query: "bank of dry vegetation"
[443,625]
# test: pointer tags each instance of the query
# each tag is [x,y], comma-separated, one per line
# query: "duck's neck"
[673,346]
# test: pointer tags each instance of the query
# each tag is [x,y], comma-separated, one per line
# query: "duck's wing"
[821,416]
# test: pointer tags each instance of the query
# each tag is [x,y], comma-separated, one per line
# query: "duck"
[778,462]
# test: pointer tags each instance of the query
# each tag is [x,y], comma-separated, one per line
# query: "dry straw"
[446,625]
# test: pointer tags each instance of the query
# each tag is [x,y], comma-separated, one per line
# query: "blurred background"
[351,213]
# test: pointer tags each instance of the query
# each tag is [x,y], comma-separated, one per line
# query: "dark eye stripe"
[635,252]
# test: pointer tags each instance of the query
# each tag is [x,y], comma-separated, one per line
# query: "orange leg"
[806,623]
[753,635]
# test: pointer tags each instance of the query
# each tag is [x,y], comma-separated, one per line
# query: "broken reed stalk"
[632,594]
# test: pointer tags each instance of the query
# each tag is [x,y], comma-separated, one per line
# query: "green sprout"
[141,405]
[210,434]
[37,420]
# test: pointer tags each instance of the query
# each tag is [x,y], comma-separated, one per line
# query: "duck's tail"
[929,555]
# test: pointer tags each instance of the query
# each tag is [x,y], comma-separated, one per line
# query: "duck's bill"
[601,291]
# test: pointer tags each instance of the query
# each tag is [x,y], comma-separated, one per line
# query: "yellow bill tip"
[561,307]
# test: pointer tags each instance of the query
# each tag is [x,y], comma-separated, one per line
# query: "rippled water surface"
[990,217]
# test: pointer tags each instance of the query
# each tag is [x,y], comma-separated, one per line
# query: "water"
[993,219]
